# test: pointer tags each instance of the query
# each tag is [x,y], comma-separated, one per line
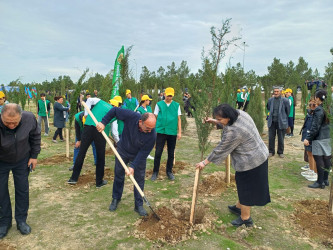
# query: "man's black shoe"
[154,176]
[103,183]
[141,211]
[235,210]
[114,204]
[170,176]
[317,185]
[4,230]
[24,228]
[71,168]
[71,181]
[238,222]
[327,183]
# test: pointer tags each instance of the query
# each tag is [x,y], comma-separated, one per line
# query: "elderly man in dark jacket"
[19,147]
[279,109]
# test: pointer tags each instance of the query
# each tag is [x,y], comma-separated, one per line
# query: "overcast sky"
[41,39]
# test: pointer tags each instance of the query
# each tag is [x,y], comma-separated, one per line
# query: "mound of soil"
[174,225]
[56,159]
[214,184]
[178,166]
[88,178]
[7,246]
[313,217]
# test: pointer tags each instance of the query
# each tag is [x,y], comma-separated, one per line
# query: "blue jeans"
[76,151]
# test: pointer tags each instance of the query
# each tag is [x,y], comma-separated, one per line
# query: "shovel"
[195,195]
[121,161]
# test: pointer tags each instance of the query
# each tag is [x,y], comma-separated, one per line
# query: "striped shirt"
[242,141]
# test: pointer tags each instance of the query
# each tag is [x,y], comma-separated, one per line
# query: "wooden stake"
[195,195]
[227,169]
[47,116]
[67,143]
[330,205]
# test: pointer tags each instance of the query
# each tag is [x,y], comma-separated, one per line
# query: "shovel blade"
[148,204]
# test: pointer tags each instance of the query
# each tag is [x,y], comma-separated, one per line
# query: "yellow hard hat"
[289,91]
[243,90]
[118,98]
[169,91]
[145,97]
[128,91]
[2,94]
[238,90]
[114,102]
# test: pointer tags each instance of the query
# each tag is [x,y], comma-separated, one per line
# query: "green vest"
[77,118]
[239,97]
[291,114]
[167,118]
[99,111]
[248,97]
[41,106]
[141,110]
[120,126]
[130,104]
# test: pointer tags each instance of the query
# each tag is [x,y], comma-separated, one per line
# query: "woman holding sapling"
[249,155]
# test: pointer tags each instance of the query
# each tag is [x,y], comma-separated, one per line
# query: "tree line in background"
[208,87]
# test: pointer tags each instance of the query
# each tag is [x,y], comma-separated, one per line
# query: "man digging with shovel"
[137,141]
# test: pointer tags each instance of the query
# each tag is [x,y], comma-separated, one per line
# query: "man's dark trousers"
[272,131]
[20,172]
[119,178]
[160,142]
[89,135]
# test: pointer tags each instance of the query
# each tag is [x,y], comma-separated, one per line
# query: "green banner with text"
[116,80]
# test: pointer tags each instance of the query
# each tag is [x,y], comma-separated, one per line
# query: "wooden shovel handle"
[195,192]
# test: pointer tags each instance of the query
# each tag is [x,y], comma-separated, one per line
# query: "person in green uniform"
[240,100]
[90,134]
[43,110]
[130,102]
[120,122]
[291,117]
[144,105]
[247,99]
[3,100]
[168,129]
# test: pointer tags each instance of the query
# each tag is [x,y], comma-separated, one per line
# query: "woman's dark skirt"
[252,186]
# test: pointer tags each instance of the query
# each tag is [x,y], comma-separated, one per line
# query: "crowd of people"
[136,129]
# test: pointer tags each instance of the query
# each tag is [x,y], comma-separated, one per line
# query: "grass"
[63,217]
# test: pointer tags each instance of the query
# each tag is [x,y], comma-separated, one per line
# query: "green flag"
[116,80]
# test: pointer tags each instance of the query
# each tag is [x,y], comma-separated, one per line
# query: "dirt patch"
[6,246]
[315,219]
[214,184]
[56,160]
[88,178]
[177,168]
[174,225]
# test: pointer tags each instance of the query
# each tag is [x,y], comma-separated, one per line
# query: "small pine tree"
[75,96]
[256,109]
[23,96]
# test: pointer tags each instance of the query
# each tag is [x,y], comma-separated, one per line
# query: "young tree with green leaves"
[205,94]
[256,109]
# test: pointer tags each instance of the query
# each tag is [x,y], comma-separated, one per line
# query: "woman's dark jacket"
[59,119]
[319,129]
[307,124]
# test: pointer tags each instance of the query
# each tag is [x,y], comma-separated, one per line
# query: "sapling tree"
[205,89]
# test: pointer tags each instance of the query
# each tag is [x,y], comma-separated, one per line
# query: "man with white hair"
[20,141]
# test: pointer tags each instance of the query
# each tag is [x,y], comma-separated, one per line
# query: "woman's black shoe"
[317,185]
[239,222]
[326,182]
[235,210]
